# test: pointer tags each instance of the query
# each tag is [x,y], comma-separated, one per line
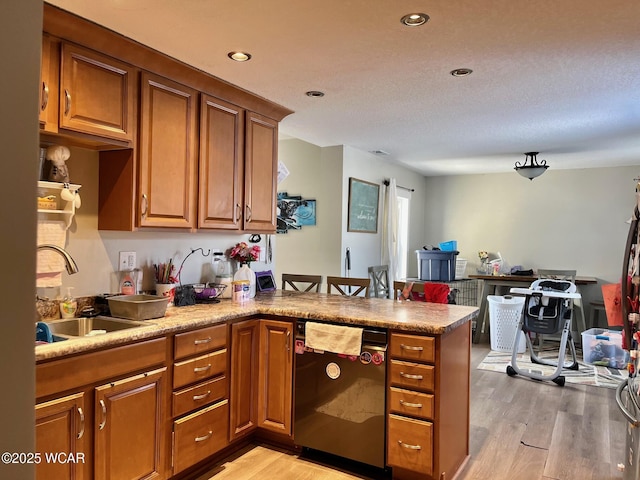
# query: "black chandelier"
[533,169]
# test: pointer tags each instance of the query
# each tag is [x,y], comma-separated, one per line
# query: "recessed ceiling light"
[461,72]
[414,19]
[239,56]
[314,93]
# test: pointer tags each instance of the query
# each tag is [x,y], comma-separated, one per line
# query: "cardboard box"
[604,347]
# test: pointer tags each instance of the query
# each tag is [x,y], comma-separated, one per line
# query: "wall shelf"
[65,209]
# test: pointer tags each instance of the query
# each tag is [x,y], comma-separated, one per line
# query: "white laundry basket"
[504,316]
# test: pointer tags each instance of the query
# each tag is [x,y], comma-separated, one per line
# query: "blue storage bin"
[450,246]
[436,265]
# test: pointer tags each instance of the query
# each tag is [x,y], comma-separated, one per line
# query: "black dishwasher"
[340,399]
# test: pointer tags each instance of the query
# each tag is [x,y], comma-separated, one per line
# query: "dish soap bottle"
[68,305]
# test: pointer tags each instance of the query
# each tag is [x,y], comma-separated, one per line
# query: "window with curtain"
[403,198]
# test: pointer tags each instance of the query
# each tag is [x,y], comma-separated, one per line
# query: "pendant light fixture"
[532,169]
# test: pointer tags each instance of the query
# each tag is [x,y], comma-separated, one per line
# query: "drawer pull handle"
[409,404]
[410,376]
[410,347]
[204,437]
[201,341]
[104,415]
[201,369]
[81,432]
[202,396]
[410,447]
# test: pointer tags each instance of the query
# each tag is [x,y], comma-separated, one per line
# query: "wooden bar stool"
[594,314]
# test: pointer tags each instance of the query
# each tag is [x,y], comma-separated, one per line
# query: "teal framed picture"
[363,206]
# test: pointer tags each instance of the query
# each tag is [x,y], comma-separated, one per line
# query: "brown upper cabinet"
[220,199]
[179,148]
[167,153]
[261,169]
[96,94]
[49,71]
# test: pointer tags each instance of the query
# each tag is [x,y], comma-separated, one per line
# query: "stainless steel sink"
[80,327]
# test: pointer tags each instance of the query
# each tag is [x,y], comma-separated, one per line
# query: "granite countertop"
[419,317]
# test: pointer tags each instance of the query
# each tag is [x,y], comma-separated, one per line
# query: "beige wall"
[20,26]
[314,173]
[566,219]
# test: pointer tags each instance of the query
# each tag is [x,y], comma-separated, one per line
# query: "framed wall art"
[363,206]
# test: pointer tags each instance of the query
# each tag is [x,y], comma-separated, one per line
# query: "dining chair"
[399,285]
[301,283]
[379,275]
[579,320]
[360,284]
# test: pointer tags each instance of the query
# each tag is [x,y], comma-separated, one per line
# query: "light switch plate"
[127,261]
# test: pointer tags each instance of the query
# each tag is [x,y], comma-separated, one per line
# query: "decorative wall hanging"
[294,212]
[363,206]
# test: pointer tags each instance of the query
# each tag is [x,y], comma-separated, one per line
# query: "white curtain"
[390,230]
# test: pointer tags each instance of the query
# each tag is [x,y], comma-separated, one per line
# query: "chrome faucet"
[70,263]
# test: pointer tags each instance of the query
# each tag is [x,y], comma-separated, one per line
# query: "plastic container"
[450,246]
[240,291]
[604,347]
[436,265]
[68,305]
[461,267]
[504,317]
[245,273]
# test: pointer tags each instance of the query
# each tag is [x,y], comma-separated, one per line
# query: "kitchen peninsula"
[173,396]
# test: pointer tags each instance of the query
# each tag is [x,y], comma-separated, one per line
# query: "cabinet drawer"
[408,402]
[199,368]
[413,347]
[412,375]
[199,435]
[410,444]
[199,395]
[199,341]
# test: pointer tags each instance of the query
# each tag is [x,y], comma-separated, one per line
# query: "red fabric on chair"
[433,293]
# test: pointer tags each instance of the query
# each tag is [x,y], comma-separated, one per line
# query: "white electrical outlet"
[127,261]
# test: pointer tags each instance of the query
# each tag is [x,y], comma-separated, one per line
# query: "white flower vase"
[245,273]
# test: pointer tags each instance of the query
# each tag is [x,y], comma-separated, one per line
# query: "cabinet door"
[49,85]
[168,153]
[96,94]
[60,428]
[221,167]
[243,399]
[276,376]
[129,427]
[261,167]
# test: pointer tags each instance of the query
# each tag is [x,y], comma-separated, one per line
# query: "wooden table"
[490,283]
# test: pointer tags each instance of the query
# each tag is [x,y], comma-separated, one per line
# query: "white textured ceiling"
[561,77]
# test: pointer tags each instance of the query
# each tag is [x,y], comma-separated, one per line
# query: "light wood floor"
[520,429]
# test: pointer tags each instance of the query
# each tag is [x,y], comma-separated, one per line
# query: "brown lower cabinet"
[61,427]
[200,396]
[139,411]
[128,427]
